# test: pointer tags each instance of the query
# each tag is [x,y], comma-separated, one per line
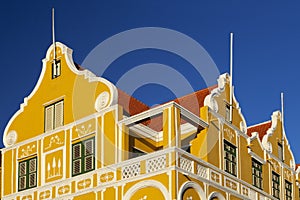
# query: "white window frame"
[54,116]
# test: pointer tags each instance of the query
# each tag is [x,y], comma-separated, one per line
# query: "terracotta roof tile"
[131,105]
[260,128]
[193,102]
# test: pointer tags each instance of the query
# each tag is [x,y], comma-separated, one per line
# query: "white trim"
[216,194]
[223,121]
[116,114]
[176,129]
[256,157]
[159,109]
[191,184]
[144,184]
[210,100]
[13,171]
[56,100]
[169,126]
[262,123]
[120,145]
[115,167]
[169,173]
[102,141]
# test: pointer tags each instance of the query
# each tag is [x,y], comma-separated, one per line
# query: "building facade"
[77,136]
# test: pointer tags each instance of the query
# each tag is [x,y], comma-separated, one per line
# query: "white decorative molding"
[265,141]
[217,195]
[102,101]
[213,105]
[144,198]
[156,163]
[231,184]
[130,171]
[107,177]
[54,140]
[82,130]
[144,184]
[186,164]
[273,164]
[215,177]
[54,168]
[191,184]
[245,190]
[229,133]
[84,184]
[255,136]
[10,138]
[202,171]
[27,151]
[288,174]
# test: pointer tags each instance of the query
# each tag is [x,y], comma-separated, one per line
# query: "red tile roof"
[131,105]
[192,102]
[260,128]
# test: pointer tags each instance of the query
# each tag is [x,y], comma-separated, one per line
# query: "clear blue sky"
[267,41]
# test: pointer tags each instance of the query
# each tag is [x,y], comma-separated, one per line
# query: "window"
[83,156]
[257,173]
[227,114]
[27,174]
[288,190]
[136,152]
[230,158]
[54,115]
[56,68]
[275,185]
[280,151]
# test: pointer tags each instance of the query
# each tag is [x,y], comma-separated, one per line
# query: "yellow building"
[76,136]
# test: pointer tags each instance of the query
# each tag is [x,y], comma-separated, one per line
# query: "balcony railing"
[134,169]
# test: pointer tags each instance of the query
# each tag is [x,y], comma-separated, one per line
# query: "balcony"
[135,169]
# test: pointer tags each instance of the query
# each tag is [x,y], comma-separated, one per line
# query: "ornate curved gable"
[219,102]
[276,143]
[64,92]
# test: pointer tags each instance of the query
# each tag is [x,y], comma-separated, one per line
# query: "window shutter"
[22,169]
[89,163]
[49,118]
[77,167]
[32,180]
[58,69]
[59,114]
[32,165]
[22,182]
[77,151]
[89,147]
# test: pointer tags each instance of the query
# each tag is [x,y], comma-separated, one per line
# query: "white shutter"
[59,114]
[54,70]
[58,69]
[49,118]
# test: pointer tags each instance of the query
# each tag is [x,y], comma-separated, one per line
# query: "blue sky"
[266,47]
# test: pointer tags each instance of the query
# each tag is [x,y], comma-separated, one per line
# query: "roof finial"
[231,74]
[53,35]
[282,107]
